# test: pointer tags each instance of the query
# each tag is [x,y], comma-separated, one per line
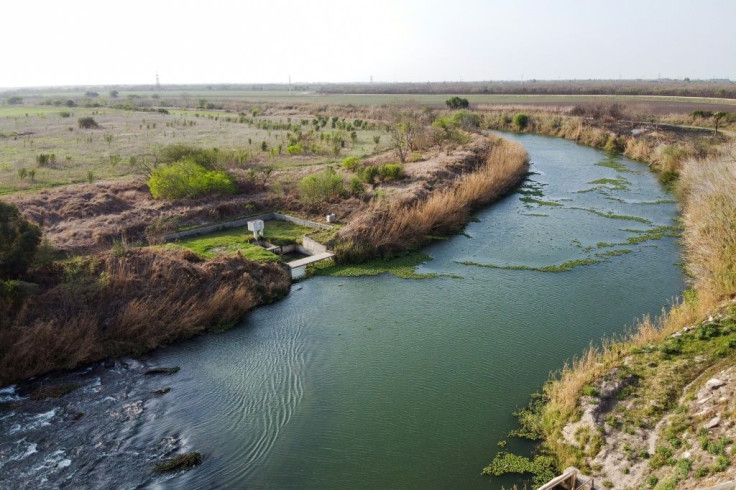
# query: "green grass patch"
[225,242]
[401,267]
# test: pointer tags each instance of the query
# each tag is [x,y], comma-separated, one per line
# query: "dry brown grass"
[388,229]
[110,305]
[709,190]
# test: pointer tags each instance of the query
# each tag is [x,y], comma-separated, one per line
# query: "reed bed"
[112,304]
[386,230]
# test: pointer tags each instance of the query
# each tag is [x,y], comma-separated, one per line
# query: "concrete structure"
[570,479]
[314,250]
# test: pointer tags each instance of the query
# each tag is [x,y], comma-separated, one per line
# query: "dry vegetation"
[127,302]
[616,128]
[386,229]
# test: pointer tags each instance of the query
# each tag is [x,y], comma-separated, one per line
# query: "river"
[380,382]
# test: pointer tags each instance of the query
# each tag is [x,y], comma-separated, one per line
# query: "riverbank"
[664,147]
[124,302]
[649,409]
[129,300]
[348,368]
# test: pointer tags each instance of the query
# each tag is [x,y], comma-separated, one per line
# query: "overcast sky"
[127,42]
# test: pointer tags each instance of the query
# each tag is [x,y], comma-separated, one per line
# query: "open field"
[127,138]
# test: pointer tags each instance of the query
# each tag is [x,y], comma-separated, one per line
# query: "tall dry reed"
[117,305]
[389,229]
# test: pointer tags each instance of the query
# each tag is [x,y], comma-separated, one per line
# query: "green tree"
[19,240]
[520,121]
[186,178]
[457,103]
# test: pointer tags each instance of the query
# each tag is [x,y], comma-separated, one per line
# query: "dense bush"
[390,171]
[321,187]
[350,163]
[294,149]
[87,122]
[520,121]
[19,240]
[186,178]
[457,103]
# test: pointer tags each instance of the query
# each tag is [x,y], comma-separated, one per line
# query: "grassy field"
[125,138]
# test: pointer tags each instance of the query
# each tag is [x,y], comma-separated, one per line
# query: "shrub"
[457,103]
[19,240]
[65,114]
[356,186]
[182,151]
[294,149]
[87,123]
[520,121]
[350,163]
[391,171]
[186,178]
[369,174]
[43,159]
[321,187]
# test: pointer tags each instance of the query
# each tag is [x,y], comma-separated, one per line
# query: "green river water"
[379,382]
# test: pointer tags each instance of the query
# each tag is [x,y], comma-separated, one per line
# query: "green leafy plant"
[188,179]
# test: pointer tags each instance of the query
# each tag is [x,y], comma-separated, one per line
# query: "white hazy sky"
[66,42]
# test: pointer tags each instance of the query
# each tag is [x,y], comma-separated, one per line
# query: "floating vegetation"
[611,215]
[614,253]
[565,266]
[656,233]
[533,200]
[659,201]
[401,267]
[614,164]
[605,244]
[541,215]
[619,184]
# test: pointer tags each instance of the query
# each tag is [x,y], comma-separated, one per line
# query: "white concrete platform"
[310,260]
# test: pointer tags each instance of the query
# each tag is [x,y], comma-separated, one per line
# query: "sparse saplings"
[520,121]
[19,240]
[457,103]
